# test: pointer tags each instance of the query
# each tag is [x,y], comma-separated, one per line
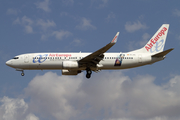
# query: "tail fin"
[157,42]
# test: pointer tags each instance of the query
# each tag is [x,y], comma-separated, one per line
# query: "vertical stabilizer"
[157,42]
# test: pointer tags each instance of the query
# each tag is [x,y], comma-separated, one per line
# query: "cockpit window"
[16,58]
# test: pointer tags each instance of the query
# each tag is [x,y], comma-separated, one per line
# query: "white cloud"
[12,11]
[28,29]
[31,117]
[145,36]
[63,14]
[109,95]
[17,21]
[45,25]
[132,27]
[132,45]
[176,12]
[26,22]
[28,25]
[145,39]
[15,109]
[85,24]
[12,109]
[111,16]
[104,3]
[56,98]
[61,34]
[43,5]
[76,42]
[101,3]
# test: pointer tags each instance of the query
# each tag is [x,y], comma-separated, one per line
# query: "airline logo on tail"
[159,44]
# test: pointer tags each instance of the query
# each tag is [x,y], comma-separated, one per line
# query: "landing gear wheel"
[88,76]
[89,72]
[22,74]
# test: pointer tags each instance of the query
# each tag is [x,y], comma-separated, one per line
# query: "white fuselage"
[75,63]
[40,61]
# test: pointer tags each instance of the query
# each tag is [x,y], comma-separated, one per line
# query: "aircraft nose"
[9,63]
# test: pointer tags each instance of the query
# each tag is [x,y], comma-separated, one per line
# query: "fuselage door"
[26,59]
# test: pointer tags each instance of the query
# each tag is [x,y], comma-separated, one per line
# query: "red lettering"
[156,38]
[160,34]
[147,48]
[150,45]
[165,29]
[59,55]
[153,41]
[51,55]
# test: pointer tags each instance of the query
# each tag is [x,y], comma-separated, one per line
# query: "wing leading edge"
[94,58]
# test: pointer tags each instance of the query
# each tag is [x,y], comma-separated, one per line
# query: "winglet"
[115,38]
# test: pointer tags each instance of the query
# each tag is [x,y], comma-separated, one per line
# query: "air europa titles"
[59,55]
[154,40]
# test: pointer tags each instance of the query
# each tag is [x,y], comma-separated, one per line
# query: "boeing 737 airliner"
[75,63]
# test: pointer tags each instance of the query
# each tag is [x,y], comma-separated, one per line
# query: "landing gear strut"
[89,72]
[22,74]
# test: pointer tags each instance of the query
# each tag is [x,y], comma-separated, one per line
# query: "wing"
[94,58]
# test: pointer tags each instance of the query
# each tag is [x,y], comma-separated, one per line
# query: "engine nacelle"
[70,72]
[70,64]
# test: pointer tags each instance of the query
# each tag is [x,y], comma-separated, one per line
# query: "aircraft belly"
[46,65]
[121,65]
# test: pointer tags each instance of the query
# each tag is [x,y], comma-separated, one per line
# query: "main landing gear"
[22,74]
[89,72]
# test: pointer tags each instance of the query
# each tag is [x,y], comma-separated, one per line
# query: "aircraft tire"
[89,72]
[22,74]
[88,76]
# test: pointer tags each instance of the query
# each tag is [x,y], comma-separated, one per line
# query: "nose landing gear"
[89,72]
[22,74]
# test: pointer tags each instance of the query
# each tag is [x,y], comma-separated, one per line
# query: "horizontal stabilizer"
[161,54]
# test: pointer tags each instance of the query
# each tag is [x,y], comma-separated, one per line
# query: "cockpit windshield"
[16,58]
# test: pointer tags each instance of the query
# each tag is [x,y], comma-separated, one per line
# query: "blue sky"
[149,93]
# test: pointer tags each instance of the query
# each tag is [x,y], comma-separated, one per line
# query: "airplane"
[75,63]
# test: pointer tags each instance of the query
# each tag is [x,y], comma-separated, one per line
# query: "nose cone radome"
[9,63]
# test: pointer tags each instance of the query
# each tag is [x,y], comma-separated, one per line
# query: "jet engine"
[70,64]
